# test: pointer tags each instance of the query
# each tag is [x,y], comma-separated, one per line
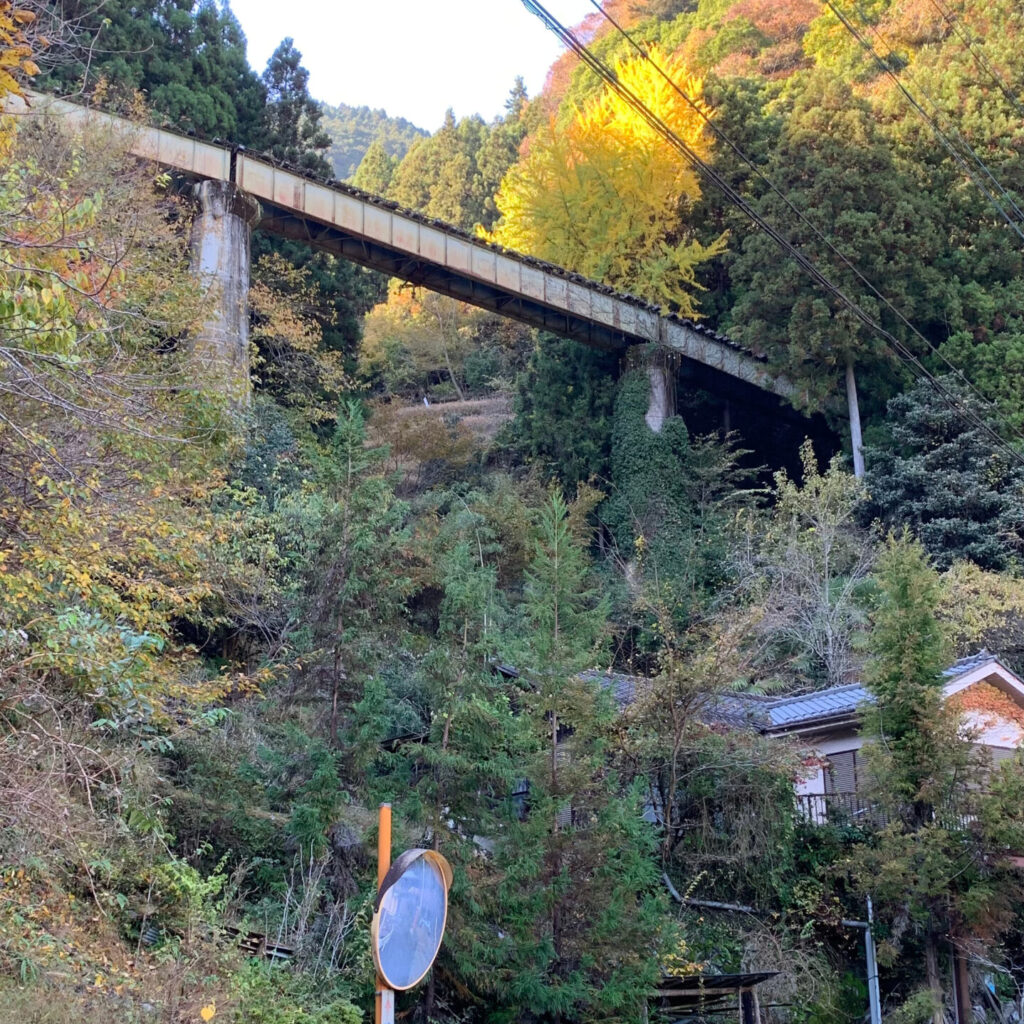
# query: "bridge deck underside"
[396,263]
[375,233]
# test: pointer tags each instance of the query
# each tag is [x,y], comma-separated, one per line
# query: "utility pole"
[856,440]
[384,1008]
[874,996]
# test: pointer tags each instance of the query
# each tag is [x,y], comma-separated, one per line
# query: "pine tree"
[291,129]
[939,475]
[574,904]
[500,150]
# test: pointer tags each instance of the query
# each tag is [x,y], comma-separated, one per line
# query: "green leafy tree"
[904,673]
[805,566]
[664,511]
[500,150]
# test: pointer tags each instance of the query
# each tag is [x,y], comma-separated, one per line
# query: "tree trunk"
[962,988]
[931,956]
[335,688]
[856,440]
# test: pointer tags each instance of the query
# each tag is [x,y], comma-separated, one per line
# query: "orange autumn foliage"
[990,703]
[777,20]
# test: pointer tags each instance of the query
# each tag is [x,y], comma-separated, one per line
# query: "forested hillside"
[354,129]
[443,560]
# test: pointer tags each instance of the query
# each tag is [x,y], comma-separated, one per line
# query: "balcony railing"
[854,810]
[857,810]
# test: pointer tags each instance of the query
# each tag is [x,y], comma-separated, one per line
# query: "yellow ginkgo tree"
[15,53]
[607,196]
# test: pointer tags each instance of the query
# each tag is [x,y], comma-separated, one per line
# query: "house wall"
[992,730]
[985,729]
[811,782]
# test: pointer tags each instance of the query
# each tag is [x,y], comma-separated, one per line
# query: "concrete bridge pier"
[663,394]
[220,242]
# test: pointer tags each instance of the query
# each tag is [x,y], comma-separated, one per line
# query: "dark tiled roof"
[622,687]
[778,714]
[970,663]
[839,702]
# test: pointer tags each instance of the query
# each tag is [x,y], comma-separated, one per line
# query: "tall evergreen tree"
[439,174]
[908,654]
[574,908]
[376,169]
[563,410]
[833,166]
[926,870]
[351,536]
[187,58]
[291,129]
[939,475]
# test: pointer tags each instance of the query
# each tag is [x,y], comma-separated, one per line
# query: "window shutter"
[999,754]
[842,774]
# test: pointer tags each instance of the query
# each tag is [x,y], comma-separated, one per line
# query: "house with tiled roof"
[990,695]
[827,723]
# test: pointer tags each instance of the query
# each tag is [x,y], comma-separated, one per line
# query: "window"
[841,775]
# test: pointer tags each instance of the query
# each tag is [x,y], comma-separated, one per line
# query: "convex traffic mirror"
[409,917]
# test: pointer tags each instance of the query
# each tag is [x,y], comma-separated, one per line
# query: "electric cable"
[939,133]
[721,134]
[983,62]
[569,38]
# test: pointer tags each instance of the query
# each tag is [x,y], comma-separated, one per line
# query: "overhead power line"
[911,99]
[721,134]
[599,67]
[954,24]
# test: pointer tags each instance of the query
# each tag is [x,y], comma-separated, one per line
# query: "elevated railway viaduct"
[239,191]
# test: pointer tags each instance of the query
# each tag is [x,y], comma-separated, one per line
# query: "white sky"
[414,58]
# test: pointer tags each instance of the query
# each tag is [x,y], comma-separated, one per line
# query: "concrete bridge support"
[221,235]
[663,392]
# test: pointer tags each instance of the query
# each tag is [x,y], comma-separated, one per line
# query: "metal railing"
[858,810]
[854,810]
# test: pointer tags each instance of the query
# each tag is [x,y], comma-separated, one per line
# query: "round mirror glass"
[410,924]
